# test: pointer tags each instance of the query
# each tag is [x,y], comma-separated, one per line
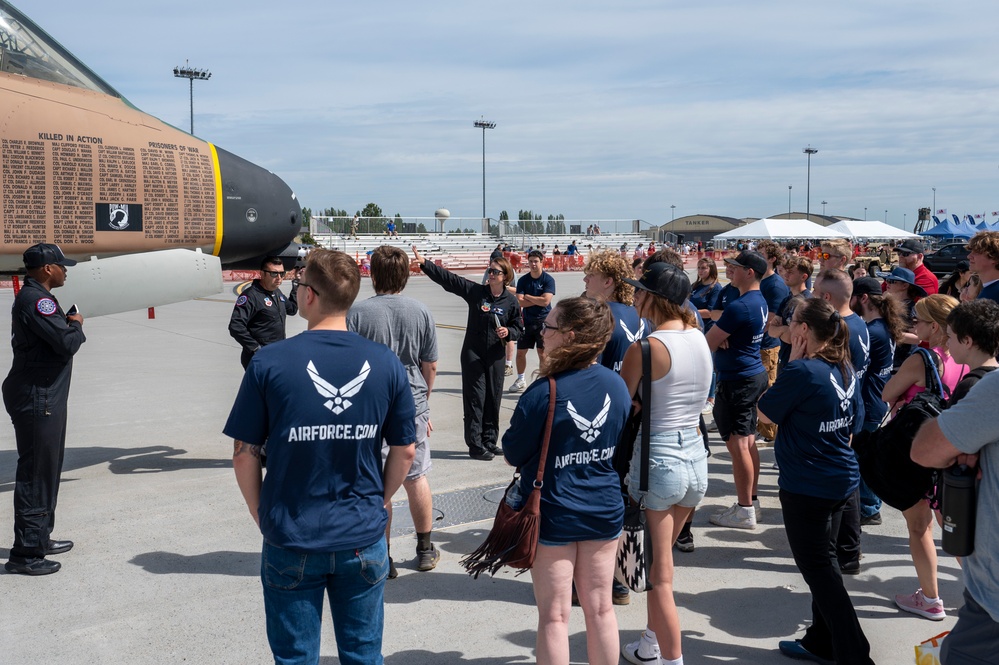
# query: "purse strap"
[933,382]
[643,484]
[539,480]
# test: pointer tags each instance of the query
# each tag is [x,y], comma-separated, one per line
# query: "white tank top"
[678,397]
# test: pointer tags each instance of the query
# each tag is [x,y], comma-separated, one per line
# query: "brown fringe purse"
[513,539]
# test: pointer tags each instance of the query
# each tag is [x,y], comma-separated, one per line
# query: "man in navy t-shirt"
[535,291]
[835,287]
[323,401]
[735,341]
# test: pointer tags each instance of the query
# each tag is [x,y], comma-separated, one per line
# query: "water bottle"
[958,506]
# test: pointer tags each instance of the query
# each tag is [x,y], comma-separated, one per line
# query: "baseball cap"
[750,259]
[867,286]
[44,254]
[664,280]
[900,274]
[911,246]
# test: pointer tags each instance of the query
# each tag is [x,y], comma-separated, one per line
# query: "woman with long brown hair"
[814,402]
[581,507]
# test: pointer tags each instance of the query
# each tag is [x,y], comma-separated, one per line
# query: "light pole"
[903,222]
[886,216]
[789,201]
[934,200]
[672,213]
[823,208]
[187,72]
[484,124]
[809,151]
[865,213]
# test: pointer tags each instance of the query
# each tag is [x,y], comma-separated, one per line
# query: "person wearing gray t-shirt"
[964,433]
[407,327]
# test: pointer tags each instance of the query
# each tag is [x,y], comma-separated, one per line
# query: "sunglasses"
[273,273]
[299,282]
[825,256]
[545,326]
[495,271]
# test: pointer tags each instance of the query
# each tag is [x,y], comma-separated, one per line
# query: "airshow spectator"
[678,467]
[581,507]
[735,340]
[984,260]
[910,380]
[815,402]
[966,434]
[954,282]
[910,256]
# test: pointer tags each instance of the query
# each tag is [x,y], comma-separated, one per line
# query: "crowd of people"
[339,415]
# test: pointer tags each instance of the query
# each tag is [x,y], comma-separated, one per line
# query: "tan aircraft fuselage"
[91,173]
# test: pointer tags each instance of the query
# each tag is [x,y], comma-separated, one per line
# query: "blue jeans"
[294,584]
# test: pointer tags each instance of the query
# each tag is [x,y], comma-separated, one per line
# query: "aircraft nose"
[258,209]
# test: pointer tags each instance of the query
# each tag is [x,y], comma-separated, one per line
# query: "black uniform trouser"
[481,392]
[40,432]
[245,357]
[848,531]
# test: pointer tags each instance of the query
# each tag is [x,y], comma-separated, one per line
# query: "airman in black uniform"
[35,394]
[258,319]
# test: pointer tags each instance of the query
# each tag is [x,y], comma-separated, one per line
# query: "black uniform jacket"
[483,309]
[258,317]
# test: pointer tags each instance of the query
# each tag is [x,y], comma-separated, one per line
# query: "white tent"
[871,229]
[781,229]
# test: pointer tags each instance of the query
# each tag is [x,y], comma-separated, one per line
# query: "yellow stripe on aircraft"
[218,200]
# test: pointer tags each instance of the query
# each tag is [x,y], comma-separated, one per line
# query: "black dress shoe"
[32,567]
[481,454]
[58,547]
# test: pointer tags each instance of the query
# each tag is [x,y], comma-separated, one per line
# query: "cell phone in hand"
[73,309]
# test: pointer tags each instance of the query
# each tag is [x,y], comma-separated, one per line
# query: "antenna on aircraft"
[187,72]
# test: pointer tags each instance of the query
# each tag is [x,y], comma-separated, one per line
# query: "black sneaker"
[685,542]
[872,520]
[481,454]
[427,559]
[393,573]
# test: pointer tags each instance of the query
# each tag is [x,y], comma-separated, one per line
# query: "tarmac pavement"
[166,563]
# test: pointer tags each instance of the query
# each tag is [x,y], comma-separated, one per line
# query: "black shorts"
[533,335]
[735,405]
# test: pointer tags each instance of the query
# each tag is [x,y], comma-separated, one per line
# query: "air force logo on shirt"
[338,402]
[637,335]
[591,428]
[844,395]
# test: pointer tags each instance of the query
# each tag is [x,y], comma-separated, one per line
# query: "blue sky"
[603,110]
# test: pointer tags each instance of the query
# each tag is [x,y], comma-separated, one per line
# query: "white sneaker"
[518,386]
[508,371]
[642,651]
[708,408]
[736,517]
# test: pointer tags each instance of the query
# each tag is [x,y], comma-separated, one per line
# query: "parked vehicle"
[944,260]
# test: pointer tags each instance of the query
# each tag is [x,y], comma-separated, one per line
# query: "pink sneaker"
[918,604]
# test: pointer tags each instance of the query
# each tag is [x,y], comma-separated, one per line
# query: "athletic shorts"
[735,405]
[421,463]
[533,335]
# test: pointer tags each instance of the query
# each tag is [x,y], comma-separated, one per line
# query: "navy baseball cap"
[44,254]
[664,280]
[867,286]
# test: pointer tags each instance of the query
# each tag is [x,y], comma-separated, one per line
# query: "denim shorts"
[678,470]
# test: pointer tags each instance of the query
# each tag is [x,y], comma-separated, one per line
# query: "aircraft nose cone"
[258,209]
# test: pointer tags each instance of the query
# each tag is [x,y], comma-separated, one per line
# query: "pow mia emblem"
[338,402]
[118,216]
[46,306]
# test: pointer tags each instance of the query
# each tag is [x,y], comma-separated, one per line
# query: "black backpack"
[884,454]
